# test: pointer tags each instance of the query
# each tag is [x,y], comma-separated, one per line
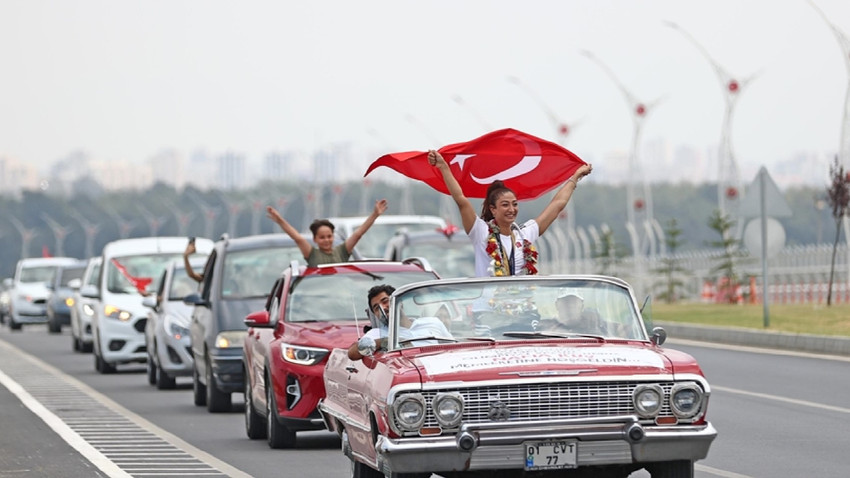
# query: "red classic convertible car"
[309,312]
[538,376]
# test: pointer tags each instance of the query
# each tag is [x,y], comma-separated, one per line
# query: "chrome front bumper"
[610,441]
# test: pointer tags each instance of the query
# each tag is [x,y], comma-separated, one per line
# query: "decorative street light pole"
[27,235]
[60,232]
[729,186]
[90,230]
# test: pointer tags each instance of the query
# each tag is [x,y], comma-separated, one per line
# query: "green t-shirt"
[338,254]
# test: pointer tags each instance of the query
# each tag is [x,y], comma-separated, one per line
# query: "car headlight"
[302,355]
[648,399]
[409,411]
[448,408]
[88,310]
[686,399]
[114,312]
[69,301]
[175,328]
[230,339]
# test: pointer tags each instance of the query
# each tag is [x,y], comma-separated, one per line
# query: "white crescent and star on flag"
[528,163]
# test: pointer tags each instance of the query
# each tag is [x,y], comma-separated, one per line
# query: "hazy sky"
[126,79]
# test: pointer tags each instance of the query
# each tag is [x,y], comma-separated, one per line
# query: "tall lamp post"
[844,146]
[562,132]
[729,186]
[638,206]
[60,232]
[27,235]
[90,230]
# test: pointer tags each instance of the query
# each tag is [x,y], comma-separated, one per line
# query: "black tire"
[53,327]
[101,365]
[163,380]
[277,434]
[151,370]
[671,469]
[217,401]
[75,344]
[360,470]
[255,426]
[13,325]
[199,390]
[86,348]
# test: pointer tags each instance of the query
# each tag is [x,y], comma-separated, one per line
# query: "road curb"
[821,344]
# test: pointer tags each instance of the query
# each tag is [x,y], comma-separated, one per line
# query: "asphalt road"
[777,416]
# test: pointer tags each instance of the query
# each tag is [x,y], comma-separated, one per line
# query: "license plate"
[550,455]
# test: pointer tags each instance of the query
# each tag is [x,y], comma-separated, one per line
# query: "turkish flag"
[528,165]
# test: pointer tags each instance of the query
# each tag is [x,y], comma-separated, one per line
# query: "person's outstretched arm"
[561,198]
[302,243]
[467,212]
[351,241]
[190,249]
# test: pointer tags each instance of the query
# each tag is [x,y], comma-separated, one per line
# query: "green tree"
[838,197]
[730,255]
[670,270]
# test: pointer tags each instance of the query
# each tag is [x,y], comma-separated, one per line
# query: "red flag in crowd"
[530,166]
[45,252]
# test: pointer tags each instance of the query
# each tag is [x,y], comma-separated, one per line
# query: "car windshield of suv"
[373,243]
[71,273]
[250,273]
[134,274]
[37,274]
[522,310]
[341,296]
[449,258]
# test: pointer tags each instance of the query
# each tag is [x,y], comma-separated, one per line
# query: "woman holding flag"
[502,247]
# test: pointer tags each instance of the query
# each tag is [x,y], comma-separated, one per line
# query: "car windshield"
[134,274]
[341,296]
[450,259]
[374,242]
[181,284]
[71,273]
[37,274]
[524,309]
[250,273]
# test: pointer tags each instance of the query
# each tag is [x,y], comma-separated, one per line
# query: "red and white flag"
[528,165]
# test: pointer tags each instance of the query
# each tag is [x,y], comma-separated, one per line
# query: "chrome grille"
[548,401]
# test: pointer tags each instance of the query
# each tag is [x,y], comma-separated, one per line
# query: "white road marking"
[758,350]
[718,472]
[778,398]
[63,430]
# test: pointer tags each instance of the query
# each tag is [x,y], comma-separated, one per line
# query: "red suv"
[309,312]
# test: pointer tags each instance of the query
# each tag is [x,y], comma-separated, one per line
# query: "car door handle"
[351,369]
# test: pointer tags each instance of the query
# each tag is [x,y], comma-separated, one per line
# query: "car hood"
[327,335]
[541,360]
[36,290]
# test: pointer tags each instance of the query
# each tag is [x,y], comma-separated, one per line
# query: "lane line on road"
[63,430]
[718,472]
[758,350]
[778,398]
[220,466]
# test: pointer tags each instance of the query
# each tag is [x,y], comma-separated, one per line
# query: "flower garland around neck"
[498,264]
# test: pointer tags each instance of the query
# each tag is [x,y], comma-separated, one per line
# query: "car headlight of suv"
[448,408]
[114,312]
[648,399]
[409,411]
[231,339]
[175,328]
[686,399]
[302,355]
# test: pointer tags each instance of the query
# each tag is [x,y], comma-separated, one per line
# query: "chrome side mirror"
[659,336]
[366,346]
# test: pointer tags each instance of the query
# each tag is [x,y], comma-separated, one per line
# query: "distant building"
[168,167]
[16,176]
[230,171]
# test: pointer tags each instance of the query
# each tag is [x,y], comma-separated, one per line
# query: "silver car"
[84,308]
[167,330]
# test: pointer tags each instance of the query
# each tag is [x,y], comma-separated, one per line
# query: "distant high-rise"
[230,171]
[278,166]
[168,167]
[16,176]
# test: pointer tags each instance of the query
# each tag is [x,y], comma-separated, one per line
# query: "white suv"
[29,289]
[129,268]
